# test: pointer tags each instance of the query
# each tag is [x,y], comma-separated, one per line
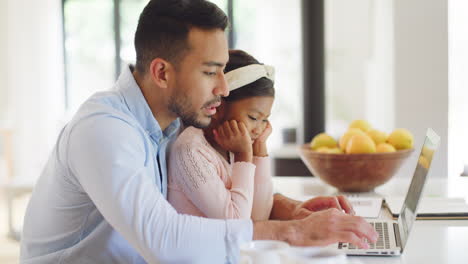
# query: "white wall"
[421,72]
[34,66]
[359,64]
[348,47]
[379,78]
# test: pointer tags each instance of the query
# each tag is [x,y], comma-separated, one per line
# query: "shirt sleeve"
[263,190]
[197,175]
[109,158]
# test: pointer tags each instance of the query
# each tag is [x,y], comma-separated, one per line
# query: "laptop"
[393,234]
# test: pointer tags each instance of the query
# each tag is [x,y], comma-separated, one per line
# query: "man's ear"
[159,72]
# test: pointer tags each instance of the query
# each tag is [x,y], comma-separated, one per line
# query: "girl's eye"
[210,73]
[252,118]
[266,120]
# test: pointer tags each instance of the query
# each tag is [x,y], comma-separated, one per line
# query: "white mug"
[315,255]
[263,252]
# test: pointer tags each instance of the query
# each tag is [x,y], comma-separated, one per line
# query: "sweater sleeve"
[263,190]
[197,174]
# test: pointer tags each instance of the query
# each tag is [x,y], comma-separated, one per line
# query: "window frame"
[313,121]
[117,20]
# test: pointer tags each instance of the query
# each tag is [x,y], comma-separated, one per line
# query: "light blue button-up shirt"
[102,195]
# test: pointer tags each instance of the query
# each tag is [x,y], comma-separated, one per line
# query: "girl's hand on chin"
[259,145]
[265,134]
[234,137]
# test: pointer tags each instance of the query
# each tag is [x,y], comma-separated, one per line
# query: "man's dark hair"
[261,87]
[163,28]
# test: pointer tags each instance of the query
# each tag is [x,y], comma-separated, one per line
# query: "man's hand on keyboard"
[331,226]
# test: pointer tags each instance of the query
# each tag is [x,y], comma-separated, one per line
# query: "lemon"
[323,140]
[378,136]
[360,143]
[361,124]
[335,151]
[322,149]
[346,136]
[401,139]
[385,147]
[328,150]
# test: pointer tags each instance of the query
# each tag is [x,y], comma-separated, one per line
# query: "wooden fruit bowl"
[353,172]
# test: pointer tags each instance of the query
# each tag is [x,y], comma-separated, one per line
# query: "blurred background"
[396,64]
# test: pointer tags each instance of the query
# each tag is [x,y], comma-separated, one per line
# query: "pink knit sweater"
[202,183]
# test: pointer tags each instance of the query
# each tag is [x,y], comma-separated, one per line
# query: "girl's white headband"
[248,74]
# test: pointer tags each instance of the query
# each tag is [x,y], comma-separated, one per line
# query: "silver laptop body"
[393,235]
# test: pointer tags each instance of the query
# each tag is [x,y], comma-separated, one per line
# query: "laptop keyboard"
[383,242]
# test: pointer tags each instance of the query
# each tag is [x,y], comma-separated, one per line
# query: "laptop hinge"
[397,234]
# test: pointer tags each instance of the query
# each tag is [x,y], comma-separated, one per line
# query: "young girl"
[223,171]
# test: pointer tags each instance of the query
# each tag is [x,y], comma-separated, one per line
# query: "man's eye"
[253,118]
[210,73]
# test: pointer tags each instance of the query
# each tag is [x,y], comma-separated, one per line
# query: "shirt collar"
[138,106]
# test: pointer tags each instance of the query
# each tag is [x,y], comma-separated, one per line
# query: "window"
[458,93]
[89,49]
[270,30]
[130,11]
[95,31]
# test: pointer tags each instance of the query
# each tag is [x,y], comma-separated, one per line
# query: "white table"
[430,241]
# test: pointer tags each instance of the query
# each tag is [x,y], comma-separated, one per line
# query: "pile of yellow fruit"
[362,138]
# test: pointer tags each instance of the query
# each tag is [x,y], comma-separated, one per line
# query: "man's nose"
[222,88]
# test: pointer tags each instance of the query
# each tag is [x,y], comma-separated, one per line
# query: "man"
[102,196]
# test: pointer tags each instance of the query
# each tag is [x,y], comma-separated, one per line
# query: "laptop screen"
[408,211]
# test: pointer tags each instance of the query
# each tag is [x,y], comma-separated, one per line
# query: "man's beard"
[182,107]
